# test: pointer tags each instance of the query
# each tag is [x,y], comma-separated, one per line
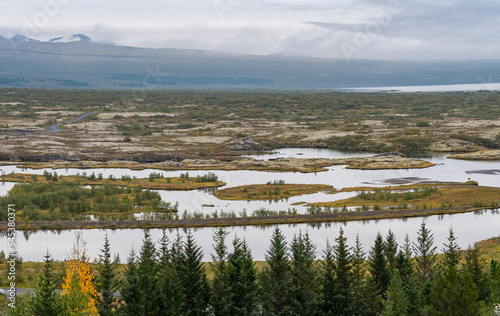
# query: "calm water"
[468,227]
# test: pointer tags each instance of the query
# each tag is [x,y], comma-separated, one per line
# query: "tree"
[79,291]
[495,284]
[328,284]
[275,278]
[451,251]
[343,276]
[304,277]
[45,300]
[129,290]
[397,300]
[405,273]
[106,284]
[391,249]
[474,265]
[243,280]
[193,282]
[425,254]
[378,266]
[147,279]
[220,285]
[360,294]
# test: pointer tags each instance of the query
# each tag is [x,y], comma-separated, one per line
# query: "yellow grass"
[269,191]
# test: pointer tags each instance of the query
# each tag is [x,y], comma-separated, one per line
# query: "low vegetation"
[269,191]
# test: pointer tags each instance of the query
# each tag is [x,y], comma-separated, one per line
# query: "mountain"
[76,62]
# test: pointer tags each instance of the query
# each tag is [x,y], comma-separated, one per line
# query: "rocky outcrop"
[246,143]
[391,154]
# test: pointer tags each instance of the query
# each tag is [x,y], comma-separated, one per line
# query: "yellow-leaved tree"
[79,290]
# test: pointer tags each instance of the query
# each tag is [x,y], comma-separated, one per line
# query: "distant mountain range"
[77,62]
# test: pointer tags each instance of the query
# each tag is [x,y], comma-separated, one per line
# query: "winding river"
[469,227]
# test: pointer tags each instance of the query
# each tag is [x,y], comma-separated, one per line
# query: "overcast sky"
[375,29]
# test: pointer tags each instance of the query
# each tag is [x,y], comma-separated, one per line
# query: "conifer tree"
[451,251]
[378,266]
[129,291]
[474,264]
[45,300]
[343,276]
[397,301]
[470,296]
[425,254]
[147,278]
[243,280]
[304,277]
[391,249]
[445,298]
[106,284]
[192,279]
[361,296]
[495,281]
[404,268]
[169,267]
[220,285]
[328,284]
[275,278]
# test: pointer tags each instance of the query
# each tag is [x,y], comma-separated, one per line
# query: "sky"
[365,29]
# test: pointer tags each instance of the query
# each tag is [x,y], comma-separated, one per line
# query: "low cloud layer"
[389,29]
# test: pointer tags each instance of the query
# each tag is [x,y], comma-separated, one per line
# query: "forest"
[169,277]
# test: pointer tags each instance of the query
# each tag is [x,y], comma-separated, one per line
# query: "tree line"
[170,278]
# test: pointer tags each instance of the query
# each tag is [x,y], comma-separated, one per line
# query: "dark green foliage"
[45,300]
[380,275]
[243,280]
[475,266]
[275,278]
[361,295]
[397,301]
[328,284]
[391,249]
[220,285]
[129,290]
[304,276]
[425,255]
[451,251]
[192,279]
[147,278]
[106,283]
[343,276]
[495,281]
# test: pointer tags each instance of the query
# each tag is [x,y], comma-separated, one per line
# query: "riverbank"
[240,221]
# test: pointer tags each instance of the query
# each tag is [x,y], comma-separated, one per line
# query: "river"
[468,227]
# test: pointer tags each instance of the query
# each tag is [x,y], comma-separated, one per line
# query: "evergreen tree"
[495,284]
[220,285]
[275,278]
[380,275]
[361,295]
[328,284]
[446,296]
[343,276]
[192,279]
[243,280]
[425,254]
[304,277]
[470,296]
[147,281]
[397,301]
[451,251]
[169,267]
[425,261]
[129,291]
[404,268]
[474,265]
[45,300]
[106,283]
[391,249]
[407,248]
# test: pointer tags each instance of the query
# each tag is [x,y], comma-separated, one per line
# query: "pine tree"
[425,254]
[275,278]
[397,301]
[147,281]
[495,284]
[304,277]
[474,265]
[361,296]
[451,251]
[470,296]
[192,279]
[220,285]
[243,280]
[168,281]
[343,276]
[404,268]
[391,249]
[378,266]
[106,283]
[45,300]
[425,261]
[129,291]
[328,284]
[78,287]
